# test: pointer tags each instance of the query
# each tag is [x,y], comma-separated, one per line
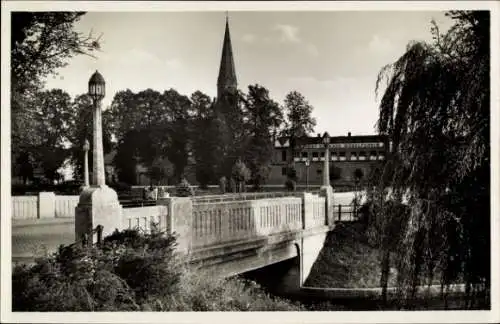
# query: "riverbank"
[348,261]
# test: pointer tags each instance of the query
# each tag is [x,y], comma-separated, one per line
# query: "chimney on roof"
[348,134]
[319,135]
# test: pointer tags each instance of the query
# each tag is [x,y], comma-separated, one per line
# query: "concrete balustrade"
[277,215]
[65,206]
[222,222]
[44,205]
[318,215]
[25,207]
[143,217]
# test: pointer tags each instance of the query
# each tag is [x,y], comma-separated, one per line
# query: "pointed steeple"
[227,73]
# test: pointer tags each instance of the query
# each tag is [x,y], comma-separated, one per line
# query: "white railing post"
[46,205]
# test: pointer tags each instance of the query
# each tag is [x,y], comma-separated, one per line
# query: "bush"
[184,189]
[290,185]
[291,173]
[202,292]
[131,271]
[222,185]
[232,186]
[126,270]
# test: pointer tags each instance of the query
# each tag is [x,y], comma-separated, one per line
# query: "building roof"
[305,140]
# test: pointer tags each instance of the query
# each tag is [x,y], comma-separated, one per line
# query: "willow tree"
[435,109]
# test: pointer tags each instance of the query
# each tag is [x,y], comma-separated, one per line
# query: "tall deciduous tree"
[299,121]
[263,116]
[435,109]
[41,43]
[178,109]
[150,125]
[53,113]
[205,139]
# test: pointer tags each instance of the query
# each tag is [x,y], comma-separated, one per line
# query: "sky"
[331,57]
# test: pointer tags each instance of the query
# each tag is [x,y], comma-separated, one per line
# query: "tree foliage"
[52,110]
[435,109]
[299,121]
[263,118]
[148,126]
[41,43]
[240,174]
[206,138]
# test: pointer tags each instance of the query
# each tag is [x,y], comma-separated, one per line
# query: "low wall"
[144,218]
[65,206]
[223,222]
[25,207]
[44,205]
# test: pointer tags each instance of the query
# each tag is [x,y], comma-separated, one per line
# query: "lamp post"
[307,174]
[326,166]
[86,147]
[97,92]
[98,206]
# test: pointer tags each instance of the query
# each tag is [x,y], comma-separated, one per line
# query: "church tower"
[227,74]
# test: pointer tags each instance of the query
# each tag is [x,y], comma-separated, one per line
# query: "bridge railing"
[65,205]
[134,203]
[222,222]
[346,212]
[241,196]
[145,217]
[278,215]
[318,211]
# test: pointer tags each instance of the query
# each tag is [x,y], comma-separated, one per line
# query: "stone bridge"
[227,236]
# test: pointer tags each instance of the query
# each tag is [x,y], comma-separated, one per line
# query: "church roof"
[227,73]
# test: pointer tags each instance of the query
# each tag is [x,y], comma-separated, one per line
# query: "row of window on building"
[334,156]
[346,145]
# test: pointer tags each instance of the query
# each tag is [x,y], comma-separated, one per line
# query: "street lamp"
[306,162]
[326,166]
[97,92]
[86,148]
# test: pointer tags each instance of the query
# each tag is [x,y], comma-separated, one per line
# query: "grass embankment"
[348,261]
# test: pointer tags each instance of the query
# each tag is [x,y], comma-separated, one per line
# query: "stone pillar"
[98,151]
[86,164]
[307,209]
[46,205]
[327,192]
[180,221]
[97,206]
[326,167]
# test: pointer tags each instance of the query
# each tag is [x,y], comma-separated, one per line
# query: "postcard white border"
[251,317]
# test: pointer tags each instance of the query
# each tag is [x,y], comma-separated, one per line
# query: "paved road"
[35,239]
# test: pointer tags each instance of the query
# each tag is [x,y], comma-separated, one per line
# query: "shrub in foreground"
[201,292]
[130,271]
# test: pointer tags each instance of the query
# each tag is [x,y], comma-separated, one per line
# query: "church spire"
[227,74]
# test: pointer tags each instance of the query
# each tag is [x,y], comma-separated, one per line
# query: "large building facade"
[347,154]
